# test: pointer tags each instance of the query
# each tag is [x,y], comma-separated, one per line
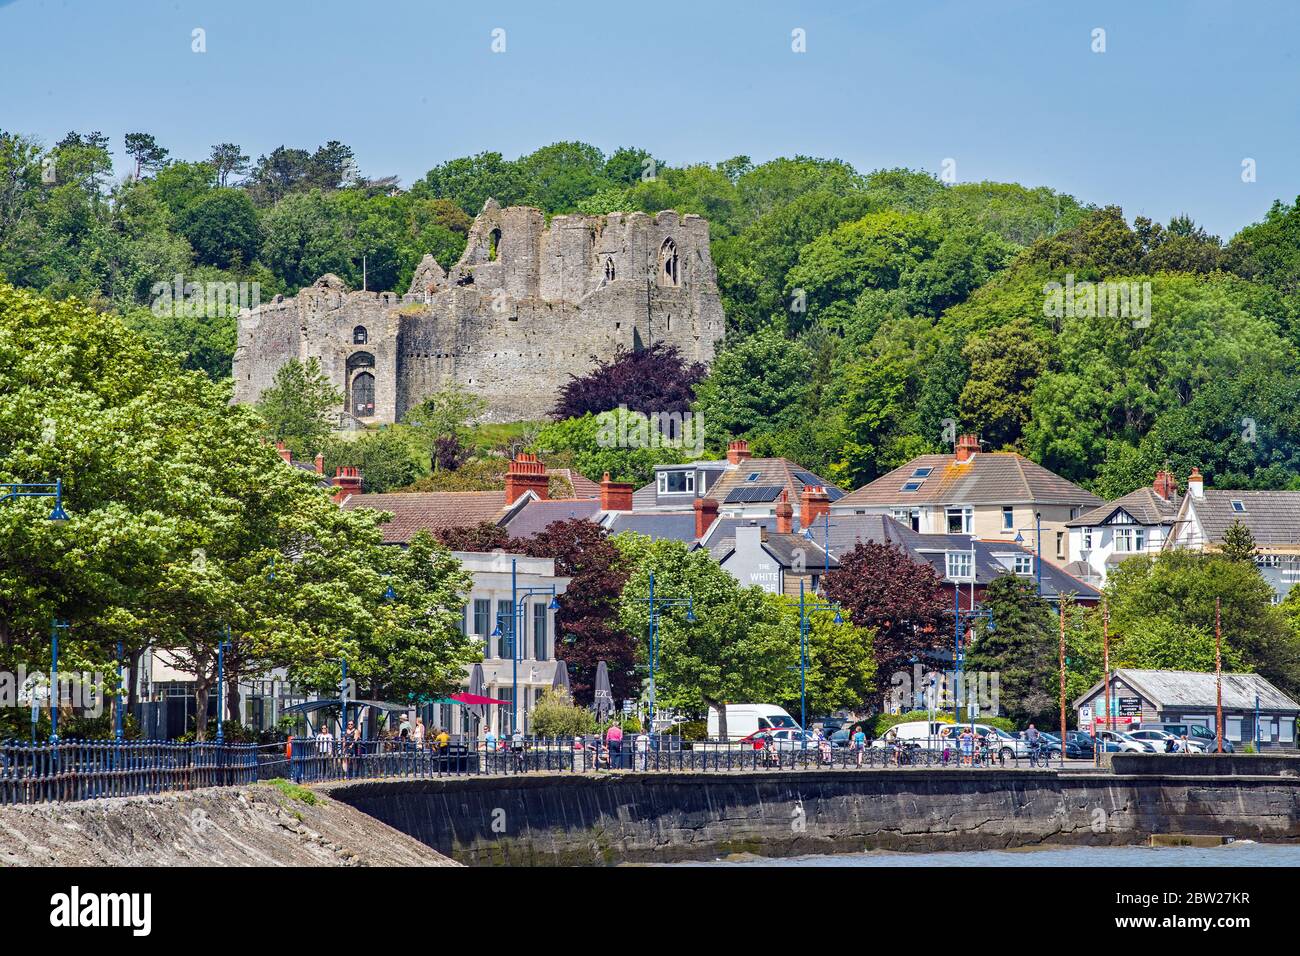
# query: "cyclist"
[1031,738]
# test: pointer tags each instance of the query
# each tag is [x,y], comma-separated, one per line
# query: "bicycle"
[1040,757]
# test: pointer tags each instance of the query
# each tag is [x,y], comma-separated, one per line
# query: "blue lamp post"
[826,541]
[654,604]
[805,608]
[971,615]
[518,602]
[10,491]
[221,682]
[1038,548]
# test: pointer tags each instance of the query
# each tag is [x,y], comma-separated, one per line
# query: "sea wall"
[629,817]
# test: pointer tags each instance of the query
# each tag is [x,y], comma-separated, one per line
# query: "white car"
[1160,740]
[1113,741]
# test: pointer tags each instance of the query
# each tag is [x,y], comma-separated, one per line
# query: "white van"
[745,719]
[923,732]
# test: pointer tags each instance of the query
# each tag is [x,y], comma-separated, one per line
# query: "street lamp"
[826,542]
[654,604]
[1038,547]
[806,608]
[221,681]
[959,615]
[518,601]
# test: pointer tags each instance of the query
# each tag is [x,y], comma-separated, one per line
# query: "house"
[1138,523]
[1272,518]
[992,495]
[1140,697]
[743,486]
[511,593]
[776,559]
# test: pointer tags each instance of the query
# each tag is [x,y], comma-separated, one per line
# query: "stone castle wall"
[528,305]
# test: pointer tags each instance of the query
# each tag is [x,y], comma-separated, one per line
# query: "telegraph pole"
[1105,654]
[1061,603]
[1218,676]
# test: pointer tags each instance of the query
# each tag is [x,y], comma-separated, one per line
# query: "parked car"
[784,740]
[1196,733]
[1009,745]
[1162,740]
[1082,742]
[1116,741]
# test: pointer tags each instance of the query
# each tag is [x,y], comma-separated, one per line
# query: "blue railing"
[85,770]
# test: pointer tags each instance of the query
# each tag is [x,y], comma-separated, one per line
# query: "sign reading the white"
[72,910]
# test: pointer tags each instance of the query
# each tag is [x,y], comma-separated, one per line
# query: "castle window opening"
[609,269]
[668,263]
[360,336]
[494,242]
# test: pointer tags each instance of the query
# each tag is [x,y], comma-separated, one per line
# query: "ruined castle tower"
[528,304]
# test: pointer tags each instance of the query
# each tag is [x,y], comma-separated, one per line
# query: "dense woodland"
[863,309]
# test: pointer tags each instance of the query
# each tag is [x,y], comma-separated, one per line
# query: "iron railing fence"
[87,769]
[82,770]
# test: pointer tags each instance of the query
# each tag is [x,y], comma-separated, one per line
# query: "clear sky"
[1010,89]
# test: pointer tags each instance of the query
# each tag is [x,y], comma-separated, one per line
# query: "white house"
[1138,523]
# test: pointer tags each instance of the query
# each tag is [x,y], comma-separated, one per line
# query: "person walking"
[967,742]
[859,745]
[643,749]
[417,733]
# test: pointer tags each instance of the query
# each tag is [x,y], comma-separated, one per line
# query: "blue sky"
[1159,123]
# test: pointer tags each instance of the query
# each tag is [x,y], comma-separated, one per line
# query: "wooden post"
[1105,655]
[1218,677]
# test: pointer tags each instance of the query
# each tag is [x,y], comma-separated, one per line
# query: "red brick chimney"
[813,503]
[738,451]
[615,495]
[285,453]
[784,515]
[526,474]
[346,481]
[967,446]
[706,510]
[1165,485]
[320,463]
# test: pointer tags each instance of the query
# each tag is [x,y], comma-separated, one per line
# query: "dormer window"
[675,482]
[959,565]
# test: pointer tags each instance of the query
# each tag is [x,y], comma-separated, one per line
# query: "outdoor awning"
[311,706]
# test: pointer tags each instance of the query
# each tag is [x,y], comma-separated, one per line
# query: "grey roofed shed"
[1186,689]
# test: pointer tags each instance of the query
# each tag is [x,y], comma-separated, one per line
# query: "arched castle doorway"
[668,263]
[361,384]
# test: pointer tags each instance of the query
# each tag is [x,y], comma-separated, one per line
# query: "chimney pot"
[526,474]
[1196,484]
[615,495]
[285,453]
[967,447]
[346,482]
[1165,485]
[813,503]
[738,451]
[784,515]
[706,511]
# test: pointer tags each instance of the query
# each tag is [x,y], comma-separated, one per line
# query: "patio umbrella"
[561,678]
[604,697]
[476,687]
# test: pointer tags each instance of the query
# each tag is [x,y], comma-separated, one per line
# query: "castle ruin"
[527,306]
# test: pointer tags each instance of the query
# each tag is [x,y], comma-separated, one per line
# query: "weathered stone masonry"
[528,304]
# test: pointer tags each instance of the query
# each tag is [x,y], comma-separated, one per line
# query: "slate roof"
[1273,517]
[1144,505]
[996,477]
[583,487]
[676,525]
[1197,689]
[535,516]
[783,548]
[779,473]
[432,510]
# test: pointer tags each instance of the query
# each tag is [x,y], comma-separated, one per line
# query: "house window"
[506,621]
[912,485]
[959,520]
[541,650]
[1238,506]
[1023,564]
[460,624]
[1087,539]
[908,516]
[1008,518]
[483,624]
[1060,544]
[1139,539]
[675,482]
[752,476]
[1130,539]
[922,472]
[959,565]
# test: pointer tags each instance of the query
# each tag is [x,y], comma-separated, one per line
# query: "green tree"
[222,228]
[298,407]
[447,413]
[1238,543]
[757,384]
[1022,649]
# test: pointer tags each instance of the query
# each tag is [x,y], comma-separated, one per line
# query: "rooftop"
[997,477]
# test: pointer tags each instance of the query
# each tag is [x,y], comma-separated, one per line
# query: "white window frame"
[1023,564]
[959,565]
[661,482]
[967,518]
[1008,518]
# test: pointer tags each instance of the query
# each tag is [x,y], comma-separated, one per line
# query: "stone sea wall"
[585,819]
